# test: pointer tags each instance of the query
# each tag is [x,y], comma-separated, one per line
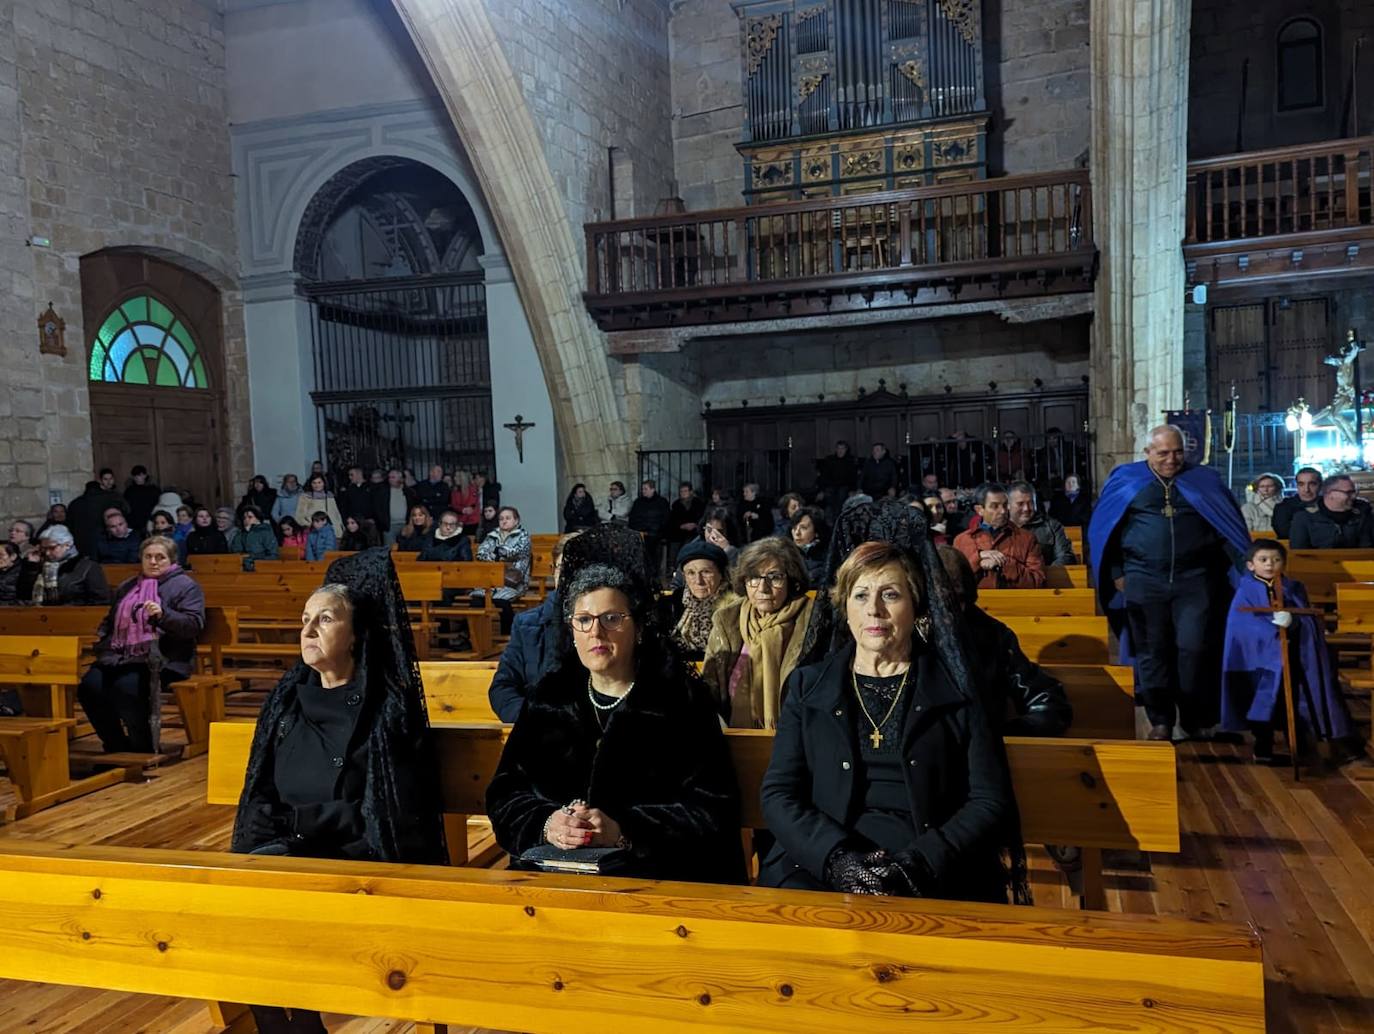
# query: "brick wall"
[112,120]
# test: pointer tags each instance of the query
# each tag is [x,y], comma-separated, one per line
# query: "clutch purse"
[593,861]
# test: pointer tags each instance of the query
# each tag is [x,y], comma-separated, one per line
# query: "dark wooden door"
[1272,351]
[1239,354]
[1299,339]
[173,432]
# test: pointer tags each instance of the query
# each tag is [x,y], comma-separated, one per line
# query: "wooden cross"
[519,427]
[1287,670]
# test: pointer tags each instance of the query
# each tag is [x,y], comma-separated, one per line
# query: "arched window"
[142,342]
[1300,72]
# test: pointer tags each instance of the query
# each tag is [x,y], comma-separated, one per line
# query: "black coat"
[206,542]
[110,550]
[878,476]
[761,526]
[453,549]
[357,501]
[1072,513]
[662,771]
[649,515]
[957,780]
[1009,681]
[9,584]
[836,473]
[1322,530]
[530,655]
[689,512]
[80,582]
[142,500]
[579,514]
[1284,513]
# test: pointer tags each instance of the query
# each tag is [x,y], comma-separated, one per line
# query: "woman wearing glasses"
[756,639]
[619,746]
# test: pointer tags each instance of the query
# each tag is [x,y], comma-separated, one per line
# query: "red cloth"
[1024,567]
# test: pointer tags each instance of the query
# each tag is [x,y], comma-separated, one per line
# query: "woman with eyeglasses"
[619,747]
[756,639]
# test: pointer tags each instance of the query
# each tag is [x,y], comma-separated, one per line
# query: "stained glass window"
[142,342]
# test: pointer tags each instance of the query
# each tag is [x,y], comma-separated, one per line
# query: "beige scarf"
[754,654]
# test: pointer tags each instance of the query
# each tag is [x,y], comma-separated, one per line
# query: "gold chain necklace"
[876,736]
[1168,487]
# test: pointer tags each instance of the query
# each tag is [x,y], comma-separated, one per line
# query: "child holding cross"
[1252,688]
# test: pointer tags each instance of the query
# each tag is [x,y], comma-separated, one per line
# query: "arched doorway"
[155,367]
[387,254]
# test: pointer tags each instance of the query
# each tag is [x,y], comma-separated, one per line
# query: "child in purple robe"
[1252,665]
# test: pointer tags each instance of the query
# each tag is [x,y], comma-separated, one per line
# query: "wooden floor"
[1296,860]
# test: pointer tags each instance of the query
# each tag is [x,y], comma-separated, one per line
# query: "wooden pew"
[1039,602]
[532,952]
[1091,794]
[1102,695]
[37,758]
[1320,570]
[1070,576]
[200,698]
[1355,620]
[1060,640]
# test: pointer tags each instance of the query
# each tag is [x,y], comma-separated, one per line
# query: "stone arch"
[467,62]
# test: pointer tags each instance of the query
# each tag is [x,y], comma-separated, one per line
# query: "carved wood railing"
[1287,190]
[977,226]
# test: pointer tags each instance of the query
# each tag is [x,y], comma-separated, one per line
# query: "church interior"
[462,258]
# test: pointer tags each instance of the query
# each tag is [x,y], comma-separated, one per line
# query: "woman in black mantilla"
[619,745]
[886,776]
[341,764]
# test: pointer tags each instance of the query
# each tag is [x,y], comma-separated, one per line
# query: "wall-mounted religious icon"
[52,332]
[519,427]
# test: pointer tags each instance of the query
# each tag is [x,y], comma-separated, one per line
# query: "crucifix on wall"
[519,428]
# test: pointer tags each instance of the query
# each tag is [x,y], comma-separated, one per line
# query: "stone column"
[281,375]
[1139,167]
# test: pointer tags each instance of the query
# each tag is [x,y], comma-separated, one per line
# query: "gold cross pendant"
[1168,510]
[875,738]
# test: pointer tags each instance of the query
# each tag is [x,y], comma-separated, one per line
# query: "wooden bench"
[1039,602]
[1091,794]
[199,697]
[1069,576]
[1061,640]
[533,952]
[35,749]
[1102,695]
[1321,570]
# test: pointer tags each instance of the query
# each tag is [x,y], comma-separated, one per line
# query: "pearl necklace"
[591,696]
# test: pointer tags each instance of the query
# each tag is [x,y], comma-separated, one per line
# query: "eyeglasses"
[610,621]
[775,580]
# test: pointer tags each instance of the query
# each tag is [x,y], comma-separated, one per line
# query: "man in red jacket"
[1000,553]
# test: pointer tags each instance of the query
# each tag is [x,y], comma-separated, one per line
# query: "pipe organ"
[857,96]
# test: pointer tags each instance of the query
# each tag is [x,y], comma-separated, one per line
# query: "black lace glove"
[911,874]
[857,872]
[265,825]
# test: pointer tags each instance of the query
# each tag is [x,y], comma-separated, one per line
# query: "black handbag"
[591,861]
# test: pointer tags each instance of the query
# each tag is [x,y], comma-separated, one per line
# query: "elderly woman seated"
[704,568]
[756,639]
[619,747]
[61,576]
[149,634]
[886,776]
[341,764]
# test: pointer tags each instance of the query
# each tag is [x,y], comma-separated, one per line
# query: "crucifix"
[519,427]
[1276,597]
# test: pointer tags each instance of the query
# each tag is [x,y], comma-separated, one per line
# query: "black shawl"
[402,811]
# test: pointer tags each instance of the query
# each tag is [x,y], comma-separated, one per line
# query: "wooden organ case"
[858,96]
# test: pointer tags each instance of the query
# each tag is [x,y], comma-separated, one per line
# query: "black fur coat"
[661,770]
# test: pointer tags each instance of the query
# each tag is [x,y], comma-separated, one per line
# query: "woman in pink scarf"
[150,630]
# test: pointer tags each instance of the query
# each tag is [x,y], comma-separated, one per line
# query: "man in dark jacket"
[119,544]
[754,514]
[1003,673]
[649,515]
[880,476]
[141,496]
[1309,481]
[447,544]
[1055,548]
[86,513]
[533,648]
[1337,523]
[355,498]
[684,520]
[62,576]
[836,476]
[433,494]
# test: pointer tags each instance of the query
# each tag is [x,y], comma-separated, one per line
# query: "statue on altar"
[1337,413]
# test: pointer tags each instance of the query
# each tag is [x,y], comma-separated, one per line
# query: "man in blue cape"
[1160,537]
[1252,664]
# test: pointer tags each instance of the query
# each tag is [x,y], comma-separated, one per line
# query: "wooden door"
[1239,354]
[173,432]
[1299,339]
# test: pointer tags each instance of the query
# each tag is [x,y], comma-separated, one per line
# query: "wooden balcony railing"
[1288,190]
[1016,234]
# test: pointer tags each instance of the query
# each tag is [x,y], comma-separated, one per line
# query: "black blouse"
[885,819]
[320,767]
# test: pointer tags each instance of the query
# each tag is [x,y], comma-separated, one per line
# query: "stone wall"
[112,133]
[1225,35]
[964,353]
[708,109]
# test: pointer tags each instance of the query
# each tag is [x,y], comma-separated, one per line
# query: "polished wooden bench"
[35,749]
[1060,640]
[1102,695]
[1091,794]
[1069,576]
[1321,570]
[548,953]
[1039,602]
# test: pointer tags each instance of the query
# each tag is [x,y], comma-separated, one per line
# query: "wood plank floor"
[1294,859]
